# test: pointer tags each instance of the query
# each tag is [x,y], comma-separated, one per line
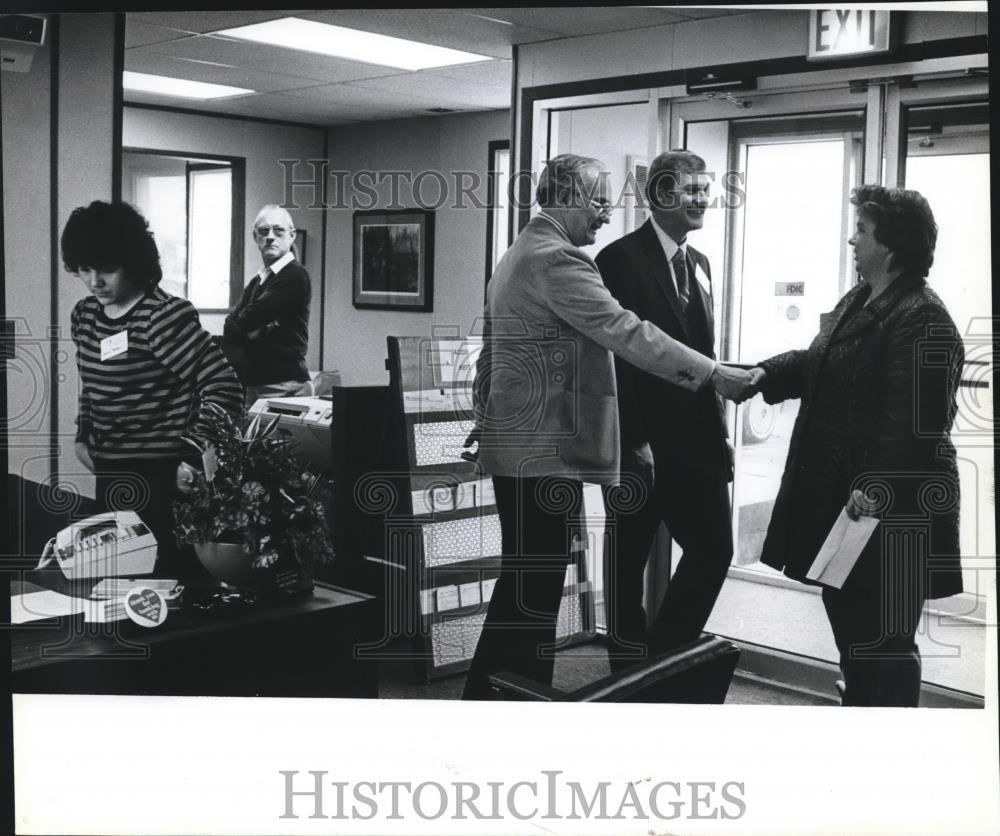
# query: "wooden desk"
[304,647]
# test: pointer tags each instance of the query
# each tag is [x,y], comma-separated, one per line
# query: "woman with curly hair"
[147,370]
[878,387]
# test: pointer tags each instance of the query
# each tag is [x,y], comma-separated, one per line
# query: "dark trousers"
[148,487]
[539,518]
[694,505]
[875,631]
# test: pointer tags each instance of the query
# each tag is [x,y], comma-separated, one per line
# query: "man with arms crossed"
[546,413]
[267,334]
[673,440]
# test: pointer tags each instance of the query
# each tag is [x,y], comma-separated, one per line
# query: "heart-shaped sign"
[145,606]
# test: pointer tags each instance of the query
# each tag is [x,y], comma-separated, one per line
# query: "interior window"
[189,205]
[498,223]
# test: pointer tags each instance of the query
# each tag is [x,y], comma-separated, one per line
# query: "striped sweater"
[139,403]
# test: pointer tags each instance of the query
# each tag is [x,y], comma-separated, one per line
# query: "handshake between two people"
[736,384]
[732,382]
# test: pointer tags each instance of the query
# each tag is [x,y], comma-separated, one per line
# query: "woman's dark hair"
[106,236]
[903,222]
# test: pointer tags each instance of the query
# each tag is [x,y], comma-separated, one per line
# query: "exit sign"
[839,33]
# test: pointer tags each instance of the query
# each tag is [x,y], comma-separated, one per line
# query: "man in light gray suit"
[546,407]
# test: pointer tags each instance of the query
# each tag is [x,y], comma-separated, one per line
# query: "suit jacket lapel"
[706,298]
[659,269]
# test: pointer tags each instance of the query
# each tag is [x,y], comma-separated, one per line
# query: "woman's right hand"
[83,454]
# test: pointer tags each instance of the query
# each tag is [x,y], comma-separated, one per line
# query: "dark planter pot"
[227,562]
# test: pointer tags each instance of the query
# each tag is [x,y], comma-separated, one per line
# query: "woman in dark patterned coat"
[878,387]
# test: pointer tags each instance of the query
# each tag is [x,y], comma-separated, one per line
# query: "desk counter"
[300,647]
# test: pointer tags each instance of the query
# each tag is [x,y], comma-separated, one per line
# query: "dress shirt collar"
[275,268]
[670,246]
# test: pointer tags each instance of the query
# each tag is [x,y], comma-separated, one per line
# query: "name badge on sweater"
[114,345]
[699,274]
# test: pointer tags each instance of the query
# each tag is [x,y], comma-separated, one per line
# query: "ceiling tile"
[280,106]
[320,68]
[206,21]
[334,114]
[704,13]
[264,106]
[568,22]
[493,73]
[140,34]
[146,97]
[349,94]
[454,28]
[449,92]
[168,65]
[344,100]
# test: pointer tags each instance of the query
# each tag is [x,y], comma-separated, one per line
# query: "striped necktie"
[679,263]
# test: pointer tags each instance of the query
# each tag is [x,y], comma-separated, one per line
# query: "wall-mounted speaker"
[20,37]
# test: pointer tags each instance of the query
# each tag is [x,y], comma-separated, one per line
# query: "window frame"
[492,202]
[238,168]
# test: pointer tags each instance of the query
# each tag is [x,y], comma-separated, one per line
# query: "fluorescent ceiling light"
[168,86]
[353,44]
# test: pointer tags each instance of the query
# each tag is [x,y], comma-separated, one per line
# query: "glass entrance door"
[789,263]
[947,159]
[780,238]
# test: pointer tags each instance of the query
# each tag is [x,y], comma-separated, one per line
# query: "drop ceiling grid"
[292,84]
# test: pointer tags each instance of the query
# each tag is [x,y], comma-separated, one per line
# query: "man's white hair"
[274,207]
[564,175]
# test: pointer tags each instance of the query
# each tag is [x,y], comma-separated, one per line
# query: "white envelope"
[841,550]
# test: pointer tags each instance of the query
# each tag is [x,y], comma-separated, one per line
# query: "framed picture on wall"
[299,245]
[394,259]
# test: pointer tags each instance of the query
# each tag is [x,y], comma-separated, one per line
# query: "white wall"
[355,339]
[81,148]
[85,146]
[695,43]
[262,145]
[25,110]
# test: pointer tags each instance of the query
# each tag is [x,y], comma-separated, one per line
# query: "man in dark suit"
[674,448]
[544,399]
[267,334]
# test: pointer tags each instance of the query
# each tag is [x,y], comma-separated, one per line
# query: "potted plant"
[254,515]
